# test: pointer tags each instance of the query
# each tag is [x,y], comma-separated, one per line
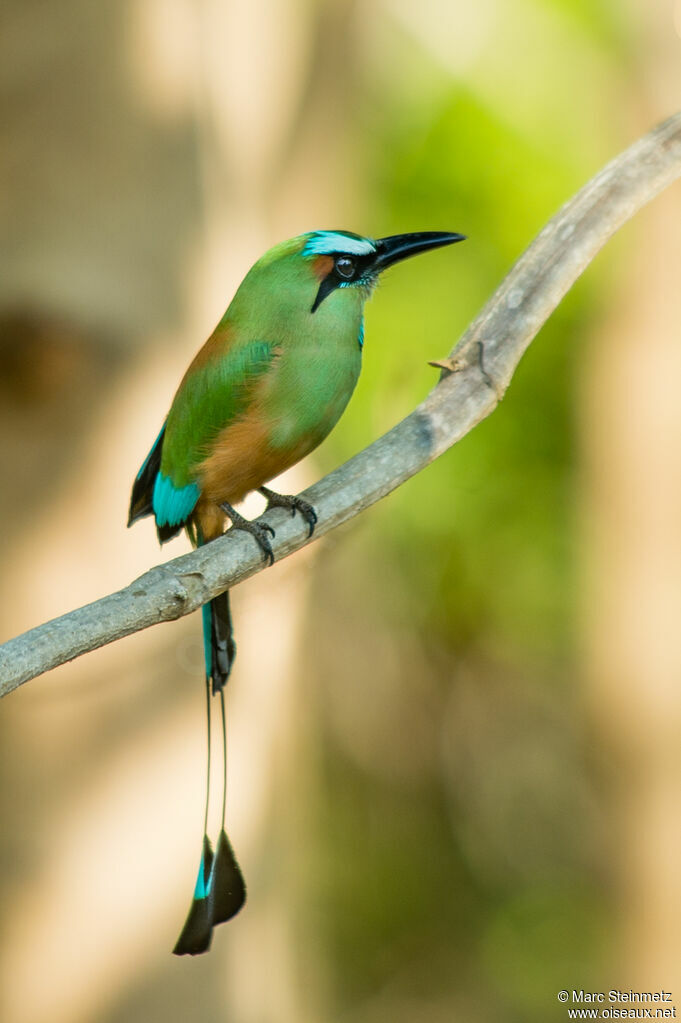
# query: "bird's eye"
[345,267]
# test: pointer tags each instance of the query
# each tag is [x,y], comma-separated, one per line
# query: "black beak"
[400,246]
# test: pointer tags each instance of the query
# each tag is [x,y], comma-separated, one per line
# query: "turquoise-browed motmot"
[266,388]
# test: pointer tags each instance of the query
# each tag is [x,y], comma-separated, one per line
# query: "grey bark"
[473,381]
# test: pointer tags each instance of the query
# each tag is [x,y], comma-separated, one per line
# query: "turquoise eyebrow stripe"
[324,243]
[171,504]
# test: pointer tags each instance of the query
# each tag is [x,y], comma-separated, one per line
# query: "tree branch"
[473,381]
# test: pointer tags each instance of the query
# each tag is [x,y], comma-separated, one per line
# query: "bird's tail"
[220,891]
[218,641]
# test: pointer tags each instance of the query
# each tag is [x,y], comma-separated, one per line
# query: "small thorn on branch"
[456,363]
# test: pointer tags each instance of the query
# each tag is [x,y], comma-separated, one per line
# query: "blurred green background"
[454,776]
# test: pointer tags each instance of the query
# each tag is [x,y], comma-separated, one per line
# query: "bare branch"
[474,379]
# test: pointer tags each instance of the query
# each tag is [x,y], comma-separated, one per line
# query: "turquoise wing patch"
[173,505]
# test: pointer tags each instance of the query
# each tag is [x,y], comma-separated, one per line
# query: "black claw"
[294,504]
[310,516]
[258,531]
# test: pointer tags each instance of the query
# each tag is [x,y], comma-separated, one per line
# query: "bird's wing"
[214,392]
[141,499]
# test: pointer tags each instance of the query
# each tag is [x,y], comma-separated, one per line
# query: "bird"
[265,389]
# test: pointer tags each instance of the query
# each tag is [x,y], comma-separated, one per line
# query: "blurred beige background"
[454,725]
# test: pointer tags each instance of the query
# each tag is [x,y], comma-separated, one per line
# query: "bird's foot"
[294,504]
[260,531]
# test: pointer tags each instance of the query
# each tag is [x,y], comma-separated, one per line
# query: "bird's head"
[331,271]
[341,259]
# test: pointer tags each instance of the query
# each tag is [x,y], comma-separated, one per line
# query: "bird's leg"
[258,530]
[294,504]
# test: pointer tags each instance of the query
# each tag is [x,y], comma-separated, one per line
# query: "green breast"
[319,354]
[316,373]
